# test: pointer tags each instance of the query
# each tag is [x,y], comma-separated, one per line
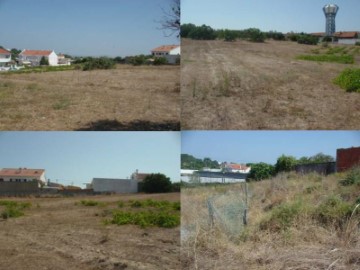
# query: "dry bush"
[295,222]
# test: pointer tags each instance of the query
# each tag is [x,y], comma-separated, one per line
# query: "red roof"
[3,51]
[21,172]
[352,34]
[165,48]
[36,52]
[234,166]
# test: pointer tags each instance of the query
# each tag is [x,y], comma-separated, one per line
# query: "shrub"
[307,39]
[349,80]
[229,35]
[156,183]
[357,43]
[261,171]
[44,61]
[352,177]
[98,63]
[282,217]
[333,211]
[160,61]
[255,35]
[285,163]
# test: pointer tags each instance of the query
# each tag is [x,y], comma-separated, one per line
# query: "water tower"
[330,14]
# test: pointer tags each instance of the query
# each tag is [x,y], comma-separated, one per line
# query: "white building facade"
[33,57]
[5,57]
[23,175]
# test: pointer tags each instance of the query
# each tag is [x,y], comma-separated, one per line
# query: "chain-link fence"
[229,210]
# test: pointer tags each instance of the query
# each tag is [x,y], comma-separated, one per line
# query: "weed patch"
[349,80]
[61,104]
[146,219]
[352,178]
[282,217]
[91,203]
[13,209]
[333,211]
[342,59]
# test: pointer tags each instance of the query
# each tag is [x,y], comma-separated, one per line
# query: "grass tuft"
[349,80]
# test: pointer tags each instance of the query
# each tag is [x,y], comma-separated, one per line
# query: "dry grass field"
[125,98]
[244,85]
[294,222]
[61,233]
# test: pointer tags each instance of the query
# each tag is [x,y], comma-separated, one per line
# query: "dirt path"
[243,85]
[57,234]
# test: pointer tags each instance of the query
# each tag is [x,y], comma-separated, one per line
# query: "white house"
[33,57]
[5,57]
[23,175]
[170,52]
[349,38]
[114,185]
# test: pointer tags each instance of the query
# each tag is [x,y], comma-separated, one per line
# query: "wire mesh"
[229,211]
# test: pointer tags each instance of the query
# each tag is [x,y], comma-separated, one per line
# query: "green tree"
[14,53]
[285,163]
[156,183]
[255,35]
[261,171]
[186,29]
[44,61]
[229,35]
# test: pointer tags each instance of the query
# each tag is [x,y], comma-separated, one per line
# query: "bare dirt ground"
[244,85]
[57,234]
[125,98]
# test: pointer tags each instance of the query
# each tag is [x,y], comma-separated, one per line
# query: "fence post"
[246,204]
[211,213]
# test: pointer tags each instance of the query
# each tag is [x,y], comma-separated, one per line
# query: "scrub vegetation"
[294,222]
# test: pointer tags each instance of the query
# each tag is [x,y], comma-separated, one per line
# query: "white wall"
[53,59]
[351,41]
[175,51]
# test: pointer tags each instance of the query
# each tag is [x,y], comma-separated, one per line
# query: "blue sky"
[84,27]
[77,157]
[264,146]
[280,15]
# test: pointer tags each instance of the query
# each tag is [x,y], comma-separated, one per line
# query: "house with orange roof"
[23,175]
[5,57]
[235,168]
[170,52]
[33,57]
[343,37]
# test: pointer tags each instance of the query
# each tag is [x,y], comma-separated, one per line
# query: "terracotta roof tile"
[21,172]
[351,34]
[3,51]
[36,52]
[165,48]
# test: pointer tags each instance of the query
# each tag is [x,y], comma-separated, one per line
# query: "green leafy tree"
[318,158]
[255,35]
[156,183]
[229,35]
[14,53]
[203,32]
[44,61]
[186,29]
[260,171]
[285,163]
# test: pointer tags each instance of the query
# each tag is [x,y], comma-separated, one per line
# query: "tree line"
[205,32]
[284,163]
